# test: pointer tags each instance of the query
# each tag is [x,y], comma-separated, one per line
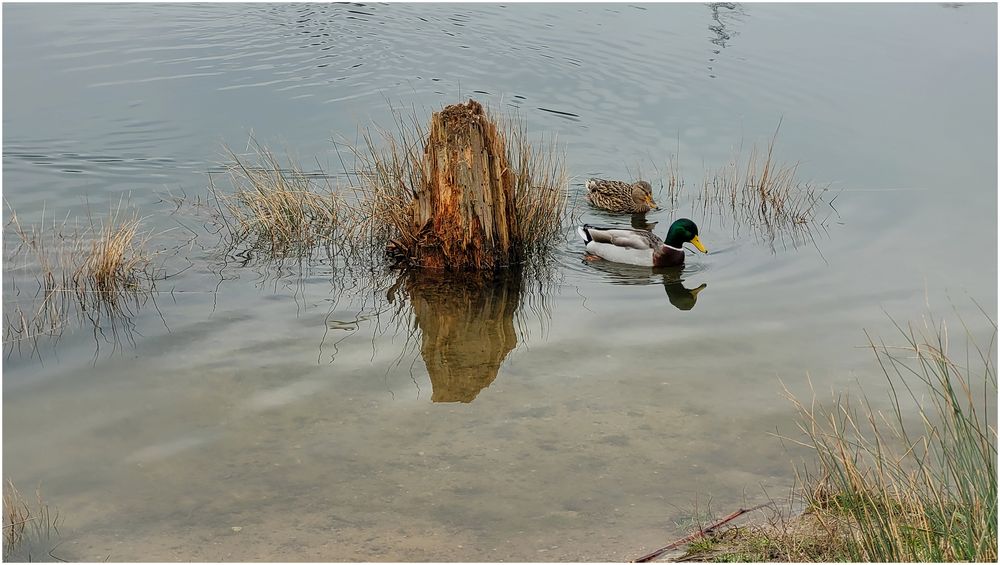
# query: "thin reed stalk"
[16,516]
[25,524]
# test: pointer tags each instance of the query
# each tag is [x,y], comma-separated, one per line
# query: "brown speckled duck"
[620,196]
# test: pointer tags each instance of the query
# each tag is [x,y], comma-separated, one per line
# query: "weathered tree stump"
[464,214]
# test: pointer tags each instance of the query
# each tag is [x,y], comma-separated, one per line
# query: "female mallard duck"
[620,196]
[641,247]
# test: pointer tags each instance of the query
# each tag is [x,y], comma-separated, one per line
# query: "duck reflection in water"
[680,296]
[639,222]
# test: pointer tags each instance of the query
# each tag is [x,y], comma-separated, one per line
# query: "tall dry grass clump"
[16,516]
[25,523]
[387,169]
[540,185]
[115,260]
[388,172]
[97,269]
[924,491]
[274,210]
[754,191]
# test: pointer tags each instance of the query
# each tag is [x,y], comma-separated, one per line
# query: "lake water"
[258,413]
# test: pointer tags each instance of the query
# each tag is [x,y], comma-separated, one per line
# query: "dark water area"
[300,412]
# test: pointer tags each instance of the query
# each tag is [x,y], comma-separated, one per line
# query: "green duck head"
[684,231]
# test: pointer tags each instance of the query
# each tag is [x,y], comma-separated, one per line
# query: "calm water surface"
[583,419]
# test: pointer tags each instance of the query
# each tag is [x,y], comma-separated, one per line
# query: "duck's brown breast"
[667,256]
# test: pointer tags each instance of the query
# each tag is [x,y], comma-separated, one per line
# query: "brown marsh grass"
[99,270]
[116,261]
[25,523]
[16,515]
[387,170]
[541,183]
[755,192]
[276,211]
[917,482]
[914,483]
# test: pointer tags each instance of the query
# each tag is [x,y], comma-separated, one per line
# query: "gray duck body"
[630,246]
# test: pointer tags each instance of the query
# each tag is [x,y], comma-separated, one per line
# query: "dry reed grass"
[756,192]
[16,516]
[24,522]
[276,211]
[99,270]
[541,183]
[915,483]
[116,261]
[923,492]
[388,169]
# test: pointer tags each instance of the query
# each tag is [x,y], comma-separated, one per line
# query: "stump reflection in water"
[467,327]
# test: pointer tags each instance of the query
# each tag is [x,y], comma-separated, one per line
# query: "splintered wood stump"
[464,209]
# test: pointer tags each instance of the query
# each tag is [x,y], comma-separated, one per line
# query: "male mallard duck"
[642,247]
[620,196]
